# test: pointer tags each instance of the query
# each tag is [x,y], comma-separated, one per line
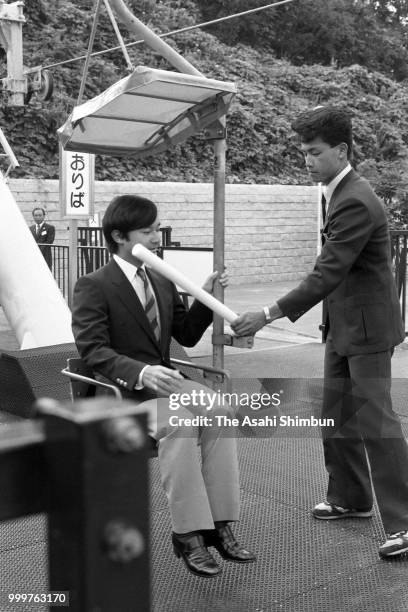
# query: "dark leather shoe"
[223,539]
[195,555]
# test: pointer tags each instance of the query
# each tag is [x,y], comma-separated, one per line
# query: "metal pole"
[88,55]
[174,58]
[11,38]
[72,233]
[151,39]
[73,258]
[118,35]
[73,223]
[219,241]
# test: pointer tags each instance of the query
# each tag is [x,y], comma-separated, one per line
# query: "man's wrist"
[271,313]
[267,314]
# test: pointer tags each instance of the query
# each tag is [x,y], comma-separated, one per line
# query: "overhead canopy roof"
[146,113]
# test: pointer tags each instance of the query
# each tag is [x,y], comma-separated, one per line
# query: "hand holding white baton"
[179,279]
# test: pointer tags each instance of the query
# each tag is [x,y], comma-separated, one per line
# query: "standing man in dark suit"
[44,234]
[362,328]
[124,316]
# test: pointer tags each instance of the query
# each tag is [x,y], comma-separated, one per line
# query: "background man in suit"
[363,326]
[124,316]
[44,234]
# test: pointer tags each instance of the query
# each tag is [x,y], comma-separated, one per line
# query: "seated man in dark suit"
[124,316]
[44,234]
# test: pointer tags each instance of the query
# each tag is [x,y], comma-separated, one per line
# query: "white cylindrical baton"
[182,281]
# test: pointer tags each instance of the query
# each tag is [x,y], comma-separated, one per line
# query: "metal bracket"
[17,86]
[13,11]
[214,376]
[235,341]
[215,131]
[196,116]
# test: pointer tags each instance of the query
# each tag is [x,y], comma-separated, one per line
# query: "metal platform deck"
[304,565]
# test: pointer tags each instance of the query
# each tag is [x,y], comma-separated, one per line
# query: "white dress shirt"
[330,187]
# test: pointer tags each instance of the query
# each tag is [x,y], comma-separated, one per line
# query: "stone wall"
[271,230]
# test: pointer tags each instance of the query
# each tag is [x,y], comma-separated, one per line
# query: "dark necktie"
[323,219]
[324,210]
[150,306]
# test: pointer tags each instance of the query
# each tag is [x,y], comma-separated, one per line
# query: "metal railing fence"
[93,256]
[399,240]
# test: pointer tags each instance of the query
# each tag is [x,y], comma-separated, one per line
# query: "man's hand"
[223,279]
[162,380]
[248,323]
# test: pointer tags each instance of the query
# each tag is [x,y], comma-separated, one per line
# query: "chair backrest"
[28,374]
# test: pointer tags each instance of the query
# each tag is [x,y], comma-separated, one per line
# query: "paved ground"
[281,334]
[239,298]
[303,565]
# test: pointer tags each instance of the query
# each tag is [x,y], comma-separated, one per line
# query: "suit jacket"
[113,334]
[46,237]
[354,272]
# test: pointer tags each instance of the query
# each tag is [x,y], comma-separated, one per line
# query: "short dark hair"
[38,208]
[126,213]
[332,124]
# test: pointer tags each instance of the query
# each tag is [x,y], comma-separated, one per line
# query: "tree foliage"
[339,32]
[271,92]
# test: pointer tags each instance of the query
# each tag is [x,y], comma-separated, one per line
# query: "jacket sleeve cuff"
[139,385]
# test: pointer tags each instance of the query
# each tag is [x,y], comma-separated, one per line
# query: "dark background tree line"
[283,60]
[339,32]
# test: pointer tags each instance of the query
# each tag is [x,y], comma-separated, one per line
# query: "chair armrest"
[205,368]
[199,366]
[92,381]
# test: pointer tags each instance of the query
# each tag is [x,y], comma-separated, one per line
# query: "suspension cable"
[97,6]
[172,33]
[119,36]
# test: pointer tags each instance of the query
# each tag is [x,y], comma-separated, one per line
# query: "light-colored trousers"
[198,464]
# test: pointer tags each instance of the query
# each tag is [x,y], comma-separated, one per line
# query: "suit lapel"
[335,196]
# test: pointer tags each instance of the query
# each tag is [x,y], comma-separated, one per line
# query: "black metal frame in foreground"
[76,464]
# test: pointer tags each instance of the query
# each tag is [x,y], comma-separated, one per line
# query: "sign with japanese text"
[77,177]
